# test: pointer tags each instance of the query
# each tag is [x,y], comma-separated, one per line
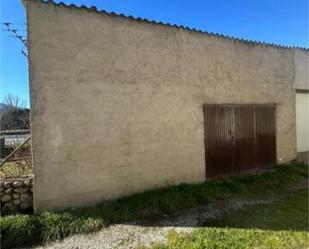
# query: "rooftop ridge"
[131,17]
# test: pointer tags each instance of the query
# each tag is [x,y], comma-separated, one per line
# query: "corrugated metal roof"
[95,9]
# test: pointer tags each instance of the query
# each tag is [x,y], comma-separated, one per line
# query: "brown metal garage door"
[239,139]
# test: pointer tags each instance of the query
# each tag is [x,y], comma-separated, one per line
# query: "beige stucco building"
[117,102]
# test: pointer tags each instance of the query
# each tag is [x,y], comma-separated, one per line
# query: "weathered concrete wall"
[116,104]
[301,59]
[302,99]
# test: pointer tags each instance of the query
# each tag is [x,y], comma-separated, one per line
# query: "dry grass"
[16,169]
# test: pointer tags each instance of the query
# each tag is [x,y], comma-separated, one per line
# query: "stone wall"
[16,195]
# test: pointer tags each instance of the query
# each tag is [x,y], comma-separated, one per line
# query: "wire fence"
[15,137]
[15,153]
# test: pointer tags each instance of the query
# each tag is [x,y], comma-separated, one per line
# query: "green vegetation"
[284,225]
[21,230]
[231,238]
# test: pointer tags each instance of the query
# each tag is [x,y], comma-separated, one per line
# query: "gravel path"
[131,235]
[123,236]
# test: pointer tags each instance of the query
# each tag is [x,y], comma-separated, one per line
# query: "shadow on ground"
[285,211]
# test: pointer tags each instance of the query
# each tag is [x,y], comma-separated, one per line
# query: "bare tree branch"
[11,101]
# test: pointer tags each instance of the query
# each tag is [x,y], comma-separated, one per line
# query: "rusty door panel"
[218,142]
[239,139]
[244,139]
[265,136]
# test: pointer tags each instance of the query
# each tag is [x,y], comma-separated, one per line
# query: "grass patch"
[21,230]
[231,238]
[284,224]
